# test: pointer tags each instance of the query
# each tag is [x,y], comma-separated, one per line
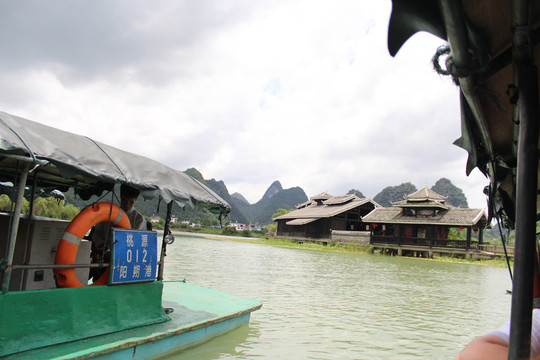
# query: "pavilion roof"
[322,196]
[451,217]
[329,208]
[423,195]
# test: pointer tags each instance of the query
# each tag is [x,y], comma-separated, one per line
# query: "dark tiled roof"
[301,221]
[452,216]
[340,199]
[323,211]
[421,204]
[425,194]
[322,196]
[304,204]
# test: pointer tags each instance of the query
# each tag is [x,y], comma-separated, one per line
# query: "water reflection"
[235,344]
[324,305]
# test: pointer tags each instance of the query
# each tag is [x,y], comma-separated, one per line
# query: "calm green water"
[324,305]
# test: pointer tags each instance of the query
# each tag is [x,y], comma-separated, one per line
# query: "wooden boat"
[493,54]
[136,314]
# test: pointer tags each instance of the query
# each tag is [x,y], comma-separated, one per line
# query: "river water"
[328,305]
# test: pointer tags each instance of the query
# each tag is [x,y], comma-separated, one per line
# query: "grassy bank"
[354,248]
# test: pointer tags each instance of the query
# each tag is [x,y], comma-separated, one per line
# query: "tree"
[457,234]
[280,212]
[392,194]
[5,203]
[47,207]
[455,195]
[54,208]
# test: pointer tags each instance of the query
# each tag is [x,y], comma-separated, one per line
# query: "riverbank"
[348,248]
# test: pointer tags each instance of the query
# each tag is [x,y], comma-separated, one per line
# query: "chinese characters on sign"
[134,256]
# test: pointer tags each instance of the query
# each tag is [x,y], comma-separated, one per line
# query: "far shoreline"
[343,248]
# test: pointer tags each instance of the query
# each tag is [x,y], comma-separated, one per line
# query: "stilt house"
[424,219]
[323,213]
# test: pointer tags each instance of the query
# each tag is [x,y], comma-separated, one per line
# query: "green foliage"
[5,203]
[229,230]
[455,195]
[280,212]
[160,225]
[46,207]
[392,194]
[457,234]
[54,208]
[493,236]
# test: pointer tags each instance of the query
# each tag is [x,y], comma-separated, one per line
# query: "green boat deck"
[198,314]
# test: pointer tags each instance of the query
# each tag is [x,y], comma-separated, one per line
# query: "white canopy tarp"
[61,159]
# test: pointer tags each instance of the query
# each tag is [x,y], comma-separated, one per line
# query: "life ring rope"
[69,244]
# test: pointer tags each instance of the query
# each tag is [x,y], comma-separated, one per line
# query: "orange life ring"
[66,252]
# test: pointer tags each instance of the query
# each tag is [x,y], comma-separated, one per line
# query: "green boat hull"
[126,321]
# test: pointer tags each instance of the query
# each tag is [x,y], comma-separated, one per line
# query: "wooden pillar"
[468,237]
[481,236]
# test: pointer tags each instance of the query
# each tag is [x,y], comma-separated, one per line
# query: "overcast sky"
[248,92]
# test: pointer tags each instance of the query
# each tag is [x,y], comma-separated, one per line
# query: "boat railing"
[496,249]
[58,266]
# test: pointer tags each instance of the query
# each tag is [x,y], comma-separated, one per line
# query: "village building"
[237,226]
[422,221]
[155,219]
[324,214]
[254,227]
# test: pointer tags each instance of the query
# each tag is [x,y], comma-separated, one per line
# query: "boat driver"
[100,232]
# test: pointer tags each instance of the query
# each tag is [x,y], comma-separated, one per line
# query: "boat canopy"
[490,43]
[493,54]
[58,160]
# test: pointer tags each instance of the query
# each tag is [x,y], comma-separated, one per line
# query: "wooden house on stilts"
[324,214]
[421,223]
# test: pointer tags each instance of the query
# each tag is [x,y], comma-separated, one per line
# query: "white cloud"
[303,92]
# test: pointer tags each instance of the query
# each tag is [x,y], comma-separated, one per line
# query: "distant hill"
[391,194]
[356,192]
[263,209]
[274,198]
[219,188]
[274,188]
[455,195]
[443,186]
[240,200]
[148,207]
[196,174]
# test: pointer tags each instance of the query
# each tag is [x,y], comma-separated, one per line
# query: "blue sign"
[134,256]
